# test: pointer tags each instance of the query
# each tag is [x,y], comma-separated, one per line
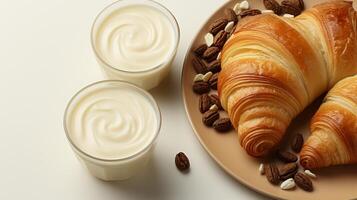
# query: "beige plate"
[332,183]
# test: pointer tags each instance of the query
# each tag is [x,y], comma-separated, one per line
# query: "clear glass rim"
[153,3]
[147,95]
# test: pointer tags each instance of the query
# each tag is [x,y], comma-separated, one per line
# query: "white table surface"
[45,57]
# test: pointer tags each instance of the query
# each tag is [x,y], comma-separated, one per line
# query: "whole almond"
[290,7]
[251,12]
[201,49]
[222,125]
[272,173]
[310,174]
[199,65]
[220,39]
[215,100]
[214,66]
[286,156]
[273,5]
[303,181]
[287,171]
[297,143]
[204,103]
[231,15]
[201,87]
[211,54]
[288,184]
[218,25]
[210,117]
[213,81]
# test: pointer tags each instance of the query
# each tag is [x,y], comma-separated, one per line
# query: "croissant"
[274,67]
[333,139]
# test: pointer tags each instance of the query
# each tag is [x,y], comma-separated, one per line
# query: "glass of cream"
[135,41]
[112,127]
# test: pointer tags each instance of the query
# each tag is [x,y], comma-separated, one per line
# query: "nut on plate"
[201,87]
[211,54]
[218,25]
[272,173]
[303,181]
[199,65]
[204,103]
[286,156]
[222,125]
[251,12]
[210,117]
[273,5]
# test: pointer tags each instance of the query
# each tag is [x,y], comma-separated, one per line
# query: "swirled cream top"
[135,38]
[112,122]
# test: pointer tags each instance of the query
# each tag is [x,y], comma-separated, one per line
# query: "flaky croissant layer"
[333,139]
[273,67]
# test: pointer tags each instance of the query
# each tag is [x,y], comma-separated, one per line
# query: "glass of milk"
[112,127]
[135,41]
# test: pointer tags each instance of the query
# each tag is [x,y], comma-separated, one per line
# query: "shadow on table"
[148,183]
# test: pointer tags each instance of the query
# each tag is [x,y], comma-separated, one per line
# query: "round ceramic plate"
[332,183]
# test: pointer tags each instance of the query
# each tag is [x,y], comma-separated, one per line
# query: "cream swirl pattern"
[135,38]
[112,122]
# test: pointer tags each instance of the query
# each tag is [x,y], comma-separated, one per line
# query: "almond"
[288,184]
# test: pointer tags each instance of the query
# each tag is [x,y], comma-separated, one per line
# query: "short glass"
[112,169]
[146,79]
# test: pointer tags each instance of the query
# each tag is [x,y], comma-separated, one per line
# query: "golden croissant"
[274,67]
[333,139]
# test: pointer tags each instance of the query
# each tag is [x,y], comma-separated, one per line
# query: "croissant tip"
[309,158]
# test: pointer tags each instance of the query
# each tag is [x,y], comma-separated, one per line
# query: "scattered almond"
[214,107]
[288,184]
[229,27]
[288,16]
[310,174]
[261,168]
[236,8]
[268,11]
[207,76]
[209,39]
[244,5]
[198,77]
[219,56]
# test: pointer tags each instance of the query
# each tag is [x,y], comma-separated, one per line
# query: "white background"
[45,57]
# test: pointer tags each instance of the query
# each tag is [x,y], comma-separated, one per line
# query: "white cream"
[135,38]
[112,122]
